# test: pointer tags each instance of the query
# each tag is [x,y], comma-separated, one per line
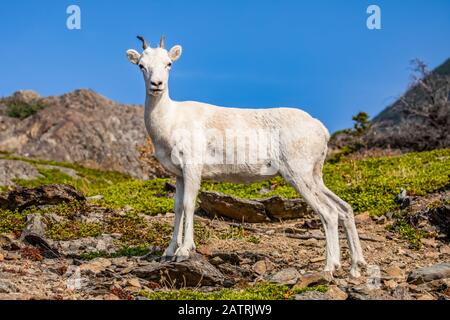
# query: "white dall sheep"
[196,141]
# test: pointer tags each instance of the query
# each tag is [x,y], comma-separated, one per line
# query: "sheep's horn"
[161,42]
[144,43]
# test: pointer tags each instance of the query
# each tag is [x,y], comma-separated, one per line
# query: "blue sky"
[315,55]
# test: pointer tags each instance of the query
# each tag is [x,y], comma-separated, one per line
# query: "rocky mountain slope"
[79,127]
[420,119]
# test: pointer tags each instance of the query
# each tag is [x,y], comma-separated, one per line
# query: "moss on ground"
[11,221]
[137,231]
[74,230]
[408,232]
[125,251]
[90,181]
[261,291]
[148,197]
[371,184]
[403,227]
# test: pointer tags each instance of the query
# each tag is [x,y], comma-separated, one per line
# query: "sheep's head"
[155,64]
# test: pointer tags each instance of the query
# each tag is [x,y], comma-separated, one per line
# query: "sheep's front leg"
[177,237]
[192,179]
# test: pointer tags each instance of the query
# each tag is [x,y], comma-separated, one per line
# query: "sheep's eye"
[141,66]
[169,64]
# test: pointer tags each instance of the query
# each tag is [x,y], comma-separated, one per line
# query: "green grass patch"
[407,232]
[147,197]
[371,184]
[11,221]
[67,210]
[73,230]
[138,232]
[261,291]
[49,176]
[125,251]
[91,181]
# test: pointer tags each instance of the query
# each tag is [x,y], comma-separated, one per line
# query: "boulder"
[4,204]
[34,234]
[287,276]
[8,242]
[427,274]
[196,271]
[434,220]
[444,250]
[311,295]
[313,279]
[363,218]
[75,247]
[363,292]
[52,194]
[95,266]
[67,171]
[260,267]
[335,293]
[82,127]
[278,208]
[15,169]
[26,96]
[219,204]
[253,211]
[230,257]
[393,273]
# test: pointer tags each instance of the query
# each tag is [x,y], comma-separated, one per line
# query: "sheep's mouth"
[155,91]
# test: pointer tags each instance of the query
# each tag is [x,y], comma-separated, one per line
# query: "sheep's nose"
[156,83]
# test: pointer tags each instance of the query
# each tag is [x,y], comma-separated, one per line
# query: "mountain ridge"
[420,118]
[82,127]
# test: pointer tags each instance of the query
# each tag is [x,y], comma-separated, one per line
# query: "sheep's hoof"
[355,269]
[332,267]
[354,272]
[182,254]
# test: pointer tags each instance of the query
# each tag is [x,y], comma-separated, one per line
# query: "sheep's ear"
[133,56]
[175,52]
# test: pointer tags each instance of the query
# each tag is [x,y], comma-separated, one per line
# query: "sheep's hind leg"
[305,185]
[347,219]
